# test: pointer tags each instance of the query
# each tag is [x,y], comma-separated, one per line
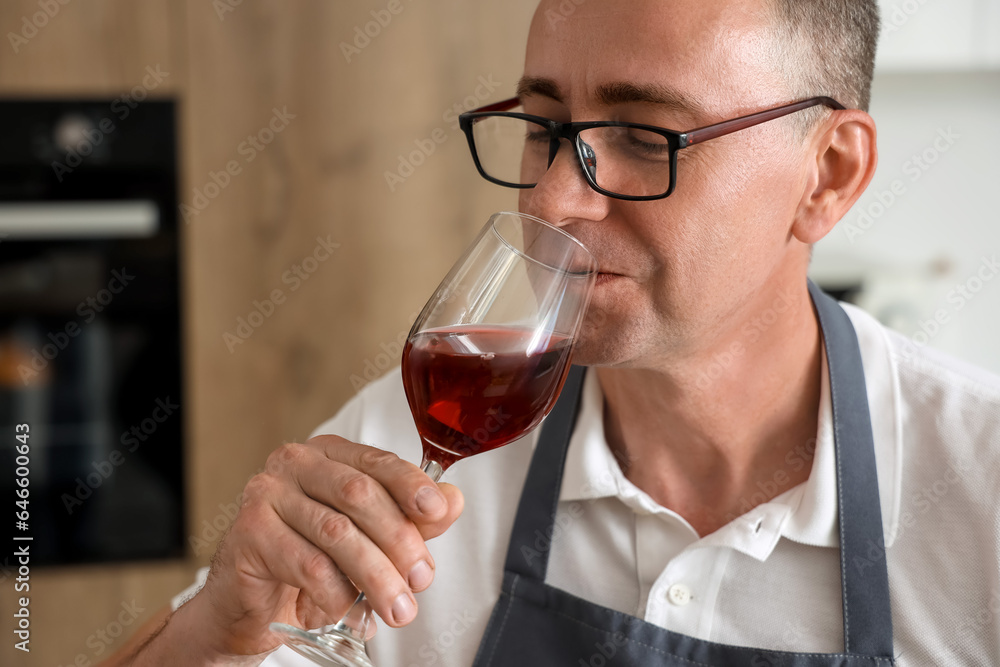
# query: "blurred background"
[218,220]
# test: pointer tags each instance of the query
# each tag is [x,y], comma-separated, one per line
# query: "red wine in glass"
[473,388]
[482,366]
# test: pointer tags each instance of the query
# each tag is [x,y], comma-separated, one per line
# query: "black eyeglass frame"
[675,140]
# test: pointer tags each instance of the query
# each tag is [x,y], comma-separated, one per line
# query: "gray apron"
[536,624]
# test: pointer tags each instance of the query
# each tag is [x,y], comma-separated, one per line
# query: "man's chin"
[593,353]
[595,344]
[617,344]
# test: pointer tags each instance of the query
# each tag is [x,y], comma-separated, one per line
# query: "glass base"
[332,649]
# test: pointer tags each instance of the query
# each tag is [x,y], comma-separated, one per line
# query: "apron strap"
[528,552]
[864,577]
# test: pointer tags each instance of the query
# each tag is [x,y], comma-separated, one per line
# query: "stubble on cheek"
[611,338]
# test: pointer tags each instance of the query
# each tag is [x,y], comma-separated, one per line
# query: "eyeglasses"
[621,160]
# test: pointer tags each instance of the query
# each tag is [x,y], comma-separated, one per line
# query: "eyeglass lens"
[622,160]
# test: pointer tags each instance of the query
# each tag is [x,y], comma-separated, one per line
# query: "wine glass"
[483,364]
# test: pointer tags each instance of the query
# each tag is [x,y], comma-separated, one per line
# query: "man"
[698,512]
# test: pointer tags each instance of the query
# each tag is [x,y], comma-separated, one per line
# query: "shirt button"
[679,594]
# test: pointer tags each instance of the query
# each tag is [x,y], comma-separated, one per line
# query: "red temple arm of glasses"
[506,105]
[736,124]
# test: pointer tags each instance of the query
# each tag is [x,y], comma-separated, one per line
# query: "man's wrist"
[189,637]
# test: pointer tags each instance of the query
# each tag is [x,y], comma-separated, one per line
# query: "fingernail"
[403,609]
[421,576]
[429,501]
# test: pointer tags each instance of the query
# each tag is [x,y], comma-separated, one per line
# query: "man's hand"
[323,515]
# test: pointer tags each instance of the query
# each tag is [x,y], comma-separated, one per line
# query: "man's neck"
[713,433]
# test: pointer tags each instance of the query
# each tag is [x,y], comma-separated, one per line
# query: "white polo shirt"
[768,579]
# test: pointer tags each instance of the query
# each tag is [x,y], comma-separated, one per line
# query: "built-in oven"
[90,328]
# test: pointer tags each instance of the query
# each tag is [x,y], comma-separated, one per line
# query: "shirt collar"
[806,513]
[591,471]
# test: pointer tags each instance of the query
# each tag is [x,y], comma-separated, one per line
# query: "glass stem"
[432,468]
[355,622]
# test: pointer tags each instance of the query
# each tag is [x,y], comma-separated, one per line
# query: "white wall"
[935,35]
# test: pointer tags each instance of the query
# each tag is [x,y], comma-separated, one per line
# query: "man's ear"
[845,156]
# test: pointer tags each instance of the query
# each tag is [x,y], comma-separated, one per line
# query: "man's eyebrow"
[626,92]
[618,92]
[537,85]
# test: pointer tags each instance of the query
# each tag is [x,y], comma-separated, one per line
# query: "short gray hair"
[829,47]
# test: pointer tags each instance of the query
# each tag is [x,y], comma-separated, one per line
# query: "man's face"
[686,268]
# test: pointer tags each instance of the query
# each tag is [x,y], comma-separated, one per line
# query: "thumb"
[456,503]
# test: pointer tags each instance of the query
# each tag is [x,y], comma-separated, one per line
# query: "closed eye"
[537,137]
[652,150]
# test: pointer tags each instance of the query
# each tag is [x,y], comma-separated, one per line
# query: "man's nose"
[562,194]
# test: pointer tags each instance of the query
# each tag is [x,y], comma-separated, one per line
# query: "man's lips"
[607,276]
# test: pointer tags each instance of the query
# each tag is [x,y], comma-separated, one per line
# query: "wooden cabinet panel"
[288,130]
[95,47]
